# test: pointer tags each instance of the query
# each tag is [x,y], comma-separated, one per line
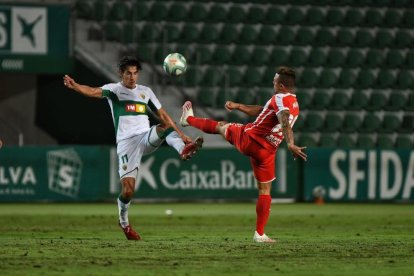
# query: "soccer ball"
[175,64]
[319,192]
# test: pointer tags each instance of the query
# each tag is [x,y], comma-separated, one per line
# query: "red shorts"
[261,158]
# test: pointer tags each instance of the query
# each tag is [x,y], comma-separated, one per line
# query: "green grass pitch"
[207,239]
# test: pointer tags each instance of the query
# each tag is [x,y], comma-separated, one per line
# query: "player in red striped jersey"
[259,140]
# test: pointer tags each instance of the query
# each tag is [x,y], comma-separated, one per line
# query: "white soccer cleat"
[187,111]
[262,239]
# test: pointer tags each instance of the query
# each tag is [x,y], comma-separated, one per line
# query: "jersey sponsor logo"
[273,140]
[138,108]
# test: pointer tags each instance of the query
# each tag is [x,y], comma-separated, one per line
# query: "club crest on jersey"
[138,108]
[142,96]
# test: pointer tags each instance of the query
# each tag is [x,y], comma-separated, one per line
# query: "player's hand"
[298,152]
[186,139]
[69,82]
[231,105]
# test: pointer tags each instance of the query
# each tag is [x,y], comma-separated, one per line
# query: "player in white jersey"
[135,137]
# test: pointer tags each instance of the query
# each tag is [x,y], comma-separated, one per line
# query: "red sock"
[262,212]
[204,124]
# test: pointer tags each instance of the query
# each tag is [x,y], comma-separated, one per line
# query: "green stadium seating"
[268,75]
[306,140]
[286,35]
[344,37]
[403,142]
[298,126]
[241,55]
[140,11]
[365,78]
[394,59]
[192,76]
[235,77]
[370,123]
[149,33]
[354,58]
[316,57]
[84,9]
[113,31]
[229,34]
[130,33]
[223,95]
[334,17]
[236,117]
[294,16]
[158,12]
[145,53]
[119,11]
[206,97]
[339,101]
[390,123]
[384,39]
[259,57]
[327,78]
[327,141]
[385,79]
[363,38]
[376,102]
[297,57]
[407,124]
[314,122]
[267,35]
[304,36]
[248,34]
[221,55]
[211,77]
[408,19]
[374,58]
[314,16]
[372,18]
[332,122]
[351,123]
[308,78]
[346,78]
[186,51]
[324,37]
[404,79]
[189,33]
[353,17]
[410,59]
[263,95]
[203,55]
[278,56]
[197,13]
[410,102]
[345,141]
[161,52]
[336,58]
[217,13]
[177,12]
[209,33]
[171,33]
[358,101]
[403,39]
[246,96]
[274,15]
[385,142]
[236,14]
[255,15]
[392,18]
[100,10]
[365,142]
[321,99]
[304,98]
[252,77]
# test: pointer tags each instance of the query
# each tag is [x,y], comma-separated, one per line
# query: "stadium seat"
[306,140]
[376,102]
[365,78]
[285,36]
[170,33]
[314,16]
[354,58]
[404,79]
[83,9]
[221,55]
[374,58]
[390,123]
[410,102]
[372,18]
[385,79]
[189,33]
[408,19]
[235,77]
[149,33]
[327,141]
[202,55]
[177,12]
[113,31]
[275,15]
[162,51]
[385,142]
[332,122]
[206,97]
[308,78]
[255,15]
[345,141]
[299,123]
[209,33]
[236,117]
[383,39]
[252,77]
[321,99]
[268,75]
[365,142]
[304,36]
[260,56]
[314,122]
[158,12]
[334,17]
[327,78]
[145,53]
[407,124]
[197,13]
[370,123]
[193,76]
[140,11]
[344,37]
[278,56]
[245,96]
[217,13]
[263,95]
[403,39]
[339,101]
[392,18]
[396,101]
[223,95]
[403,142]
[410,59]
[394,58]
[297,57]
[324,37]
[363,38]
[335,58]
[267,35]
[119,11]
[304,98]
[294,16]
[353,17]
[316,57]
[351,123]
[241,55]
[358,101]
[229,34]
[211,77]
[130,33]
[236,14]
[346,79]
[248,34]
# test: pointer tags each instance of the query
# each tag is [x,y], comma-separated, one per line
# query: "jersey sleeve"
[279,103]
[153,103]
[107,89]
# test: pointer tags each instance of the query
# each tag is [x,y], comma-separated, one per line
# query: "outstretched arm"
[251,110]
[297,151]
[95,92]
[167,121]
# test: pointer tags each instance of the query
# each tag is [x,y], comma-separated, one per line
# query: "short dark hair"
[126,61]
[287,76]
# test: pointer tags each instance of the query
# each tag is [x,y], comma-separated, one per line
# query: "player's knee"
[128,188]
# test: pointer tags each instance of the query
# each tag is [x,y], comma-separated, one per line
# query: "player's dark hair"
[287,76]
[126,61]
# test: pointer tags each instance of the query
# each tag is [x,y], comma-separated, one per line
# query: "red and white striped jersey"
[266,129]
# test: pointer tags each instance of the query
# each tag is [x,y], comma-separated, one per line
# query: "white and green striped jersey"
[129,108]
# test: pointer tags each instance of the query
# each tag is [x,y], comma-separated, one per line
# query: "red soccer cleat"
[130,233]
[191,148]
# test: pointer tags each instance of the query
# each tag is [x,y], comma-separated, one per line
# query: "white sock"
[123,213]
[174,140]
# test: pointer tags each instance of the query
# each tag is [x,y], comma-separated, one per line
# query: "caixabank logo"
[64,172]
[23,30]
